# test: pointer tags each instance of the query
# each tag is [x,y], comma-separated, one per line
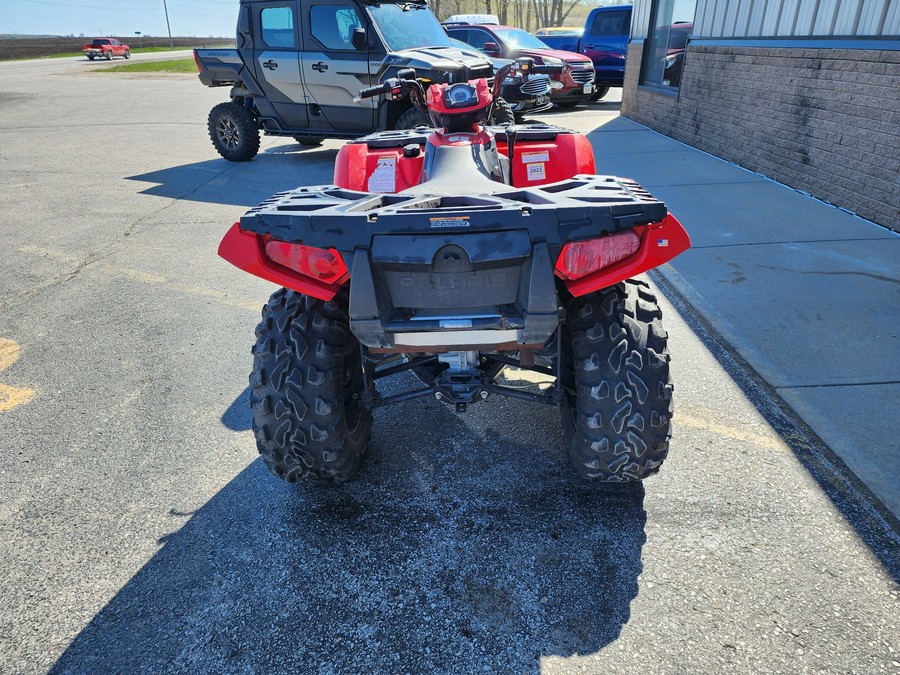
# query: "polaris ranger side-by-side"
[298,68]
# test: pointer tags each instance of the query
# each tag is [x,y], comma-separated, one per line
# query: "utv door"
[334,70]
[276,59]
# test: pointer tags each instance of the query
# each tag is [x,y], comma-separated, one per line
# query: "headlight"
[551,61]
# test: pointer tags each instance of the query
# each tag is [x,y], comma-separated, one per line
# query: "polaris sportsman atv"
[454,253]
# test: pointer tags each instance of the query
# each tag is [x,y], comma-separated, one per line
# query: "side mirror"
[491,48]
[358,40]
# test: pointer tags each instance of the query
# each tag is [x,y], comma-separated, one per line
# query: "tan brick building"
[806,92]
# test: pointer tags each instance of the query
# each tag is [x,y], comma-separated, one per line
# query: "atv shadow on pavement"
[244,184]
[475,552]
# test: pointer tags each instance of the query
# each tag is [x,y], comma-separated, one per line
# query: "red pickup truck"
[106,48]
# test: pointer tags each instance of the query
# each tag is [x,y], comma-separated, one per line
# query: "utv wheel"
[413,118]
[234,132]
[306,384]
[127,54]
[599,93]
[618,421]
[311,141]
[90,57]
[502,113]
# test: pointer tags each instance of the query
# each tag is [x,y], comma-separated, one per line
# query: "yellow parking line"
[769,442]
[10,397]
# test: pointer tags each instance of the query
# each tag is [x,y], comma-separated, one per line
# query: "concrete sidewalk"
[807,294]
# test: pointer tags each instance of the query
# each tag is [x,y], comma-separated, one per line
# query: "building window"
[671,25]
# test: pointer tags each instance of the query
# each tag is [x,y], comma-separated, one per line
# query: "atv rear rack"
[582,207]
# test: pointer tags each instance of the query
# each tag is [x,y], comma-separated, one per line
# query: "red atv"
[454,253]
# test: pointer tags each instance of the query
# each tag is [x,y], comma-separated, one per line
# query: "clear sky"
[200,18]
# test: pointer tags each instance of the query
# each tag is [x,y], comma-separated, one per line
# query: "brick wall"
[824,121]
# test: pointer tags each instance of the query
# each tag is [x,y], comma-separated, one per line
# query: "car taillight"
[580,258]
[317,263]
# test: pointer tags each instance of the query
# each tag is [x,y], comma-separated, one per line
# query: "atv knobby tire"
[618,423]
[309,421]
[233,131]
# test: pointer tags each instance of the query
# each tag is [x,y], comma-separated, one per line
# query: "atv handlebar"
[406,84]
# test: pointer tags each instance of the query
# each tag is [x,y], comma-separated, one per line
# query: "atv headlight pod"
[580,258]
[326,266]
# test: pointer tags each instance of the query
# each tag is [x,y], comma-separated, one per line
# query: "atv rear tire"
[502,113]
[233,131]
[309,421]
[618,423]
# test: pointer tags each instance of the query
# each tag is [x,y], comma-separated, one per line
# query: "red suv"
[568,89]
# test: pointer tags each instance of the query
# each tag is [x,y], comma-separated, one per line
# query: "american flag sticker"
[662,242]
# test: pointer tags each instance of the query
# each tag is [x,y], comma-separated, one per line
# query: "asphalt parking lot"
[139,532]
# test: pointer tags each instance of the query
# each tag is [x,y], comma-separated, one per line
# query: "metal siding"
[722,13]
[805,17]
[788,15]
[756,18]
[743,18]
[772,17]
[846,18]
[870,17]
[640,19]
[825,17]
[703,18]
[783,18]
[892,21]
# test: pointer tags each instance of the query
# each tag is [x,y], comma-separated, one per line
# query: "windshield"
[516,38]
[406,26]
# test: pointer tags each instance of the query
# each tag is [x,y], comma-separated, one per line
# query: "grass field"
[173,66]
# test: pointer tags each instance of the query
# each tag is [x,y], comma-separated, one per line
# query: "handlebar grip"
[549,70]
[369,92]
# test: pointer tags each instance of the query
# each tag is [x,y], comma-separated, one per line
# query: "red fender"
[244,250]
[660,243]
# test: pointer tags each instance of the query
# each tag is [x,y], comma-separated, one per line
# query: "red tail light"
[197,62]
[326,266]
[580,258]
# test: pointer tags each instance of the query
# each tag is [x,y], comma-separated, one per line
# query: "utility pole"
[168,27]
